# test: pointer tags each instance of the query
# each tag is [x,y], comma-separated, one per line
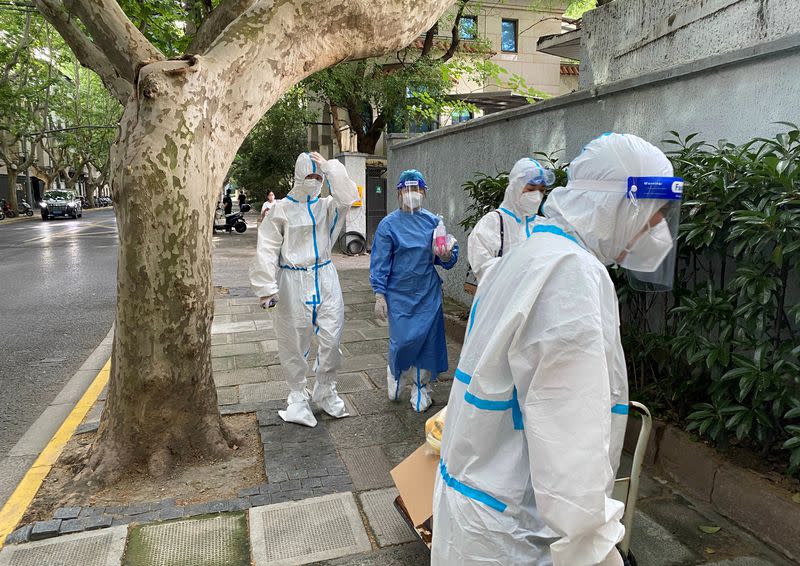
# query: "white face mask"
[412,200]
[311,187]
[529,202]
[649,250]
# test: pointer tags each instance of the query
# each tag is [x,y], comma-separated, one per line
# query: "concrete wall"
[736,96]
[626,38]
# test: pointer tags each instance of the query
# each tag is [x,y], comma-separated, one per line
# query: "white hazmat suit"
[538,409]
[294,257]
[517,213]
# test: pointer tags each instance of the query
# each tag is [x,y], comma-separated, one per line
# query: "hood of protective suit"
[594,204]
[524,169]
[302,188]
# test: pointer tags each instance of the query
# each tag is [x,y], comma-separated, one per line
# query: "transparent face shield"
[411,194]
[650,255]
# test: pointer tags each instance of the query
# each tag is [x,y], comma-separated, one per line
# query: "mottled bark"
[162,405]
[182,125]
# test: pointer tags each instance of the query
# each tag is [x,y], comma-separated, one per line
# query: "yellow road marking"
[26,490]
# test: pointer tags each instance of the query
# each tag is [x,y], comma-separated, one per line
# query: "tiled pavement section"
[354,454]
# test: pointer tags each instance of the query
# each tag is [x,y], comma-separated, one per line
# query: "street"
[59,283]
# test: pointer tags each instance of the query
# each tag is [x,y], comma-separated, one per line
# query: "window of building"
[508,41]
[468,27]
[461,116]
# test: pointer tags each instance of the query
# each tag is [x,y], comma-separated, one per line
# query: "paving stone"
[248,491]
[70,526]
[744,561]
[411,554]
[227,395]
[656,546]
[351,336]
[169,513]
[367,431]
[310,483]
[351,382]
[399,451]
[218,339]
[375,402]
[368,467]
[222,364]
[261,499]
[261,392]
[232,327]
[319,528]
[93,511]
[45,529]
[97,522]
[254,336]
[268,346]
[239,408]
[379,346]
[255,360]
[67,513]
[387,524]
[22,534]
[234,349]
[361,363]
[202,542]
[240,504]
[297,474]
[99,548]
[86,427]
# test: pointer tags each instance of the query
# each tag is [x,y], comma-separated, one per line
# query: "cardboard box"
[415,478]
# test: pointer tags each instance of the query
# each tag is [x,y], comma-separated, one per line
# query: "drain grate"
[293,533]
[386,522]
[95,548]
[217,541]
[368,467]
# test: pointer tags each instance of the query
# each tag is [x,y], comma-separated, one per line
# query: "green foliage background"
[720,353]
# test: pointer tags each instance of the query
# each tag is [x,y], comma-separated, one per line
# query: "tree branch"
[215,24]
[125,46]
[429,37]
[87,52]
[274,45]
[455,33]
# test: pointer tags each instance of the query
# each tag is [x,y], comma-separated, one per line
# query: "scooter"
[232,221]
[25,208]
[6,209]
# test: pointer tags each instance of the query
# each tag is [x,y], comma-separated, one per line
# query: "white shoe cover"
[327,399]
[393,386]
[298,410]
[420,395]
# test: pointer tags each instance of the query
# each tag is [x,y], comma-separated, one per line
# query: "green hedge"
[720,353]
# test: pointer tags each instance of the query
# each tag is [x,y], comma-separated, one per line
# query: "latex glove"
[451,242]
[317,158]
[269,301]
[381,309]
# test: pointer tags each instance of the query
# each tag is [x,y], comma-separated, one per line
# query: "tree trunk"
[12,173]
[166,167]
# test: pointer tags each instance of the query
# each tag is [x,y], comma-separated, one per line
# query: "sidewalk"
[328,496]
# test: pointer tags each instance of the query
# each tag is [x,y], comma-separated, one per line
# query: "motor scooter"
[25,208]
[233,221]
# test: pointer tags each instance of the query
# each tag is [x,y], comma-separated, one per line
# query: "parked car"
[60,203]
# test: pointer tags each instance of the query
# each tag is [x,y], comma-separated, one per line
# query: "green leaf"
[709,529]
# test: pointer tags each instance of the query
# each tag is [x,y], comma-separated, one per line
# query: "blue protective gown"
[402,269]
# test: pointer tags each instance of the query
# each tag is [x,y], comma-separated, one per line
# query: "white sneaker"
[393,386]
[298,410]
[327,399]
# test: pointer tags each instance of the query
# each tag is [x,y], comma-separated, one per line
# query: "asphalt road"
[57,296]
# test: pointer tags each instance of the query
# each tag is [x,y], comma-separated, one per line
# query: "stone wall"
[737,96]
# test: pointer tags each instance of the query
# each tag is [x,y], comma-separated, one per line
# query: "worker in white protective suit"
[294,258]
[498,231]
[539,403]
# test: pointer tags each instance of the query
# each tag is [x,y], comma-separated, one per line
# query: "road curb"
[44,440]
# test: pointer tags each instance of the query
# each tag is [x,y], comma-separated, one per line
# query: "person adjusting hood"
[498,231]
[294,257]
[539,403]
